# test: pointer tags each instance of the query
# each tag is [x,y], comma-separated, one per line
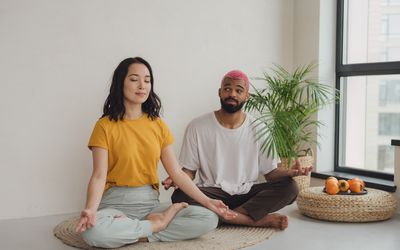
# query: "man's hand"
[87,220]
[168,182]
[220,209]
[297,170]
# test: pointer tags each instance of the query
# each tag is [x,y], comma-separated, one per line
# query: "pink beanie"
[238,75]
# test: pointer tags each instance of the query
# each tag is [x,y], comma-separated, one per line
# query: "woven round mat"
[375,205]
[223,238]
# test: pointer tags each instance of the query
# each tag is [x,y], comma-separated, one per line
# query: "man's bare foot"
[160,221]
[276,220]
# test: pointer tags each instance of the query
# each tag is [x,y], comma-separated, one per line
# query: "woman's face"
[137,84]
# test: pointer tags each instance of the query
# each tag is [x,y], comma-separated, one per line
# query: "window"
[390,2]
[390,26]
[368,77]
[385,158]
[393,27]
[393,53]
[389,124]
[389,93]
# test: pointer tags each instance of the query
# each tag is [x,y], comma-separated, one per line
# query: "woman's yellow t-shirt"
[134,149]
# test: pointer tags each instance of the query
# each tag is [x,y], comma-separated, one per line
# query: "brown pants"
[262,199]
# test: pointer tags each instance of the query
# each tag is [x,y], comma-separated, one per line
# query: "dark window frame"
[359,69]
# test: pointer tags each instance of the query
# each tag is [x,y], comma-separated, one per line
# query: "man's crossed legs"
[257,206]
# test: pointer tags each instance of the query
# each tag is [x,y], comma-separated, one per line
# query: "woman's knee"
[208,219]
[97,237]
[100,235]
[106,236]
[212,220]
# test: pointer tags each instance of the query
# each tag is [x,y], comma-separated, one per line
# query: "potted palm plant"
[286,108]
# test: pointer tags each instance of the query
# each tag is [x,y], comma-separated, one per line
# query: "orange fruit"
[332,187]
[343,185]
[356,186]
[331,178]
[360,180]
[357,180]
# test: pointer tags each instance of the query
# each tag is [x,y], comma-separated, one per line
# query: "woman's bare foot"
[160,221]
[276,220]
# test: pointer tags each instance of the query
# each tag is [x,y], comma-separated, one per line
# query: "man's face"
[233,95]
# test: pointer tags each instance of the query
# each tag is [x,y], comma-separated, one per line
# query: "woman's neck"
[133,112]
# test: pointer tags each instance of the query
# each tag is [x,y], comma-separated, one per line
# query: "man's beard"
[229,107]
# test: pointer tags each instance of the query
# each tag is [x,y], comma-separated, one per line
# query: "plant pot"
[303,181]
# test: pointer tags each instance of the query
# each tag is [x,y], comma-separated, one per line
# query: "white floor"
[302,233]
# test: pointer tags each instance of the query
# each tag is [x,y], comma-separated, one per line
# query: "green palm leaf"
[285,108]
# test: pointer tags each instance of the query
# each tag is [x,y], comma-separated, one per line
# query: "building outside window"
[389,124]
[389,93]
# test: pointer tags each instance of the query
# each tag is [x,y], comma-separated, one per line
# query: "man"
[222,147]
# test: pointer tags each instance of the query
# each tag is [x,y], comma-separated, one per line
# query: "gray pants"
[120,219]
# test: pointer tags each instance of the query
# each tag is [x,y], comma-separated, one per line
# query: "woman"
[127,143]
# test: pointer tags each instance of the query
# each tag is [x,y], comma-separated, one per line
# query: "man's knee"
[292,190]
[294,187]
[180,196]
[286,190]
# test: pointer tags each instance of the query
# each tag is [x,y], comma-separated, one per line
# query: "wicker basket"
[376,205]
[306,160]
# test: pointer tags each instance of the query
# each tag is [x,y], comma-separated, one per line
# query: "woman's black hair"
[114,105]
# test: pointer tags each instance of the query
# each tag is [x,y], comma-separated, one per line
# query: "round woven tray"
[376,205]
[225,237]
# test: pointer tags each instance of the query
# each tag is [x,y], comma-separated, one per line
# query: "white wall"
[57,58]
[326,73]
[306,38]
[314,41]
[306,32]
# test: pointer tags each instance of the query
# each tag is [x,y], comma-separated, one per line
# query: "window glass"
[369,119]
[371,31]
[385,158]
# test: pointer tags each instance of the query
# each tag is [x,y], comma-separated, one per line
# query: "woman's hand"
[220,209]
[87,220]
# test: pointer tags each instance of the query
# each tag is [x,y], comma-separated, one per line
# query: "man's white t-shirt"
[230,159]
